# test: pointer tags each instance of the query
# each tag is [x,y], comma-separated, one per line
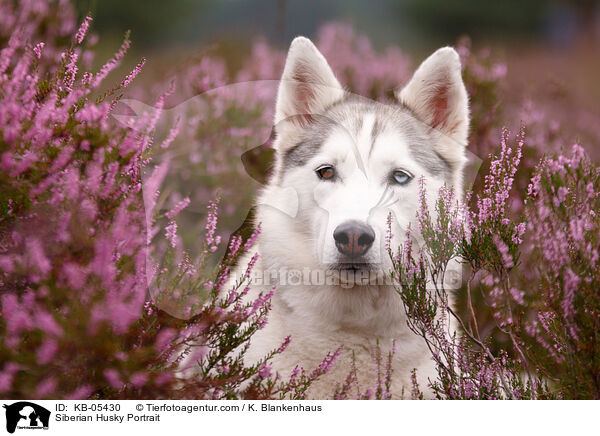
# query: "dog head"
[351,162]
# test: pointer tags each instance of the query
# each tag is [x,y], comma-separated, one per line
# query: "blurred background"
[540,40]
[411,23]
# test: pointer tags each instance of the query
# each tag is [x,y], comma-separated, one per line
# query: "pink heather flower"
[561,196]
[211,224]
[121,355]
[423,212]
[102,264]
[252,239]
[129,78]
[172,134]
[164,339]
[139,379]
[86,79]
[113,378]
[163,379]
[92,113]
[284,344]
[7,53]
[507,259]
[578,155]
[519,232]
[232,296]
[196,355]
[71,69]
[7,162]
[7,264]
[389,235]
[47,351]
[81,393]
[178,208]
[171,233]
[578,227]
[83,29]
[571,284]
[87,58]
[37,256]
[534,186]
[111,64]
[46,387]
[234,245]
[222,279]
[37,49]
[264,63]
[7,375]
[500,179]
[63,158]
[6,381]
[590,188]
[498,71]
[352,57]
[295,372]
[261,301]
[16,317]
[151,188]
[327,363]
[264,371]
[261,322]
[46,322]
[186,266]
[414,392]
[546,320]
[251,265]
[368,394]
[517,295]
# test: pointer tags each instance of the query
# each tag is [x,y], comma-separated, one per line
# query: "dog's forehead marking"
[375,131]
[310,143]
[364,141]
[400,122]
[361,122]
[350,140]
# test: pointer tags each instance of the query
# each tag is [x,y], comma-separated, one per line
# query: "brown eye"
[326,172]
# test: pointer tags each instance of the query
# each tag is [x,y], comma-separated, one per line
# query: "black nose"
[353,238]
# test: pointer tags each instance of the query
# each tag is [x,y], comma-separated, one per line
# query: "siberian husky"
[349,163]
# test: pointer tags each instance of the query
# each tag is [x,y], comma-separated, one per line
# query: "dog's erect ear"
[437,95]
[307,86]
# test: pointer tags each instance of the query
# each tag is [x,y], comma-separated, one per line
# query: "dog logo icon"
[26,415]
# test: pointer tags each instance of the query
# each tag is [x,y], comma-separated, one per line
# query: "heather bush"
[76,262]
[549,313]
[113,268]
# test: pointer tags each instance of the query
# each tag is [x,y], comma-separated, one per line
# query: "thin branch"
[470,305]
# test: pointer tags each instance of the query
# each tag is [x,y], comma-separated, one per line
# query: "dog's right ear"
[437,94]
[307,86]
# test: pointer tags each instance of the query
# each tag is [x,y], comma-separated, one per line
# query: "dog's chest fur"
[365,321]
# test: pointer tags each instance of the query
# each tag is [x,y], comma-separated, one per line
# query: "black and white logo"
[26,415]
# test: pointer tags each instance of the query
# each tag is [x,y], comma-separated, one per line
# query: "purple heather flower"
[83,29]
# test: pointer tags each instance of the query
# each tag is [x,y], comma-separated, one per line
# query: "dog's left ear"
[437,95]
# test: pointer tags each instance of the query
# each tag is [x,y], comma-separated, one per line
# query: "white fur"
[322,317]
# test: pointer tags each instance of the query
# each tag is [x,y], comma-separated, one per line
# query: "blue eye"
[401,177]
